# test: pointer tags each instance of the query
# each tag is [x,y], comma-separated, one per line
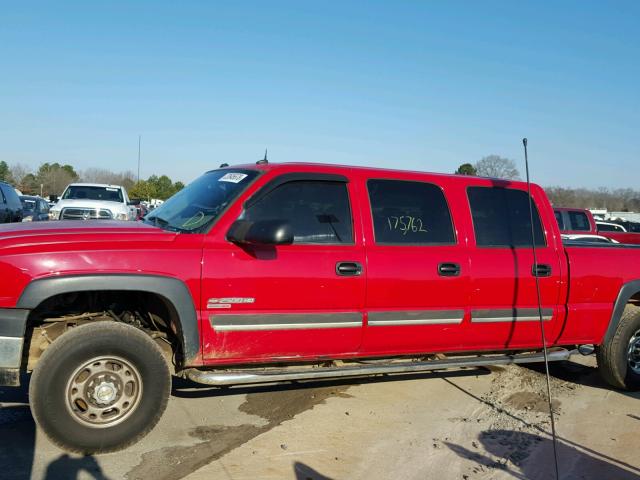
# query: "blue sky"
[413,85]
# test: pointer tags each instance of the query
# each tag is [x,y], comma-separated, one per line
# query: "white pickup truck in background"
[93,201]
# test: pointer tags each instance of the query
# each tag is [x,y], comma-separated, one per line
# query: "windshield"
[197,205]
[82,192]
[28,204]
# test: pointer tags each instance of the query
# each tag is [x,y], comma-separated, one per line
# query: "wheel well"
[635,299]
[148,311]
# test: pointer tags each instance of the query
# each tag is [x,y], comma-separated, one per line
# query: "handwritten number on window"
[406,224]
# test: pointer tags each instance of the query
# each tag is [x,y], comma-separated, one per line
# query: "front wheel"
[99,388]
[619,357]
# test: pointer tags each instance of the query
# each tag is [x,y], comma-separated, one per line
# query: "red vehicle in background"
[575,221]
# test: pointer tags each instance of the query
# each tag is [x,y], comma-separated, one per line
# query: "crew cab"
[267,273]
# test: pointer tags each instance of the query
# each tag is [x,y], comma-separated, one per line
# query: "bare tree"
[496,166]
[18,172]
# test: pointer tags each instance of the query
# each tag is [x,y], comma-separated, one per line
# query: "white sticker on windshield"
[111,189]
[233,177]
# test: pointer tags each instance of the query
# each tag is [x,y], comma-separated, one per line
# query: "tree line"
[52,178]
[614,200]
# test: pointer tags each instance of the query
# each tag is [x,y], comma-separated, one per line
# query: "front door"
[288,302]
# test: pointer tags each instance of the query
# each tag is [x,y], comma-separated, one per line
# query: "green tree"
[55,177]
[466,169]
[5,174]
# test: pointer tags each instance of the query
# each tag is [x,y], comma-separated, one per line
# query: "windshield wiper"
[164,224]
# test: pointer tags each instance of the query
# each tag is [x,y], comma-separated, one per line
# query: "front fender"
[172,289]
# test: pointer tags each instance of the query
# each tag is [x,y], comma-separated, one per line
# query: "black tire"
[57,406]
[614,357]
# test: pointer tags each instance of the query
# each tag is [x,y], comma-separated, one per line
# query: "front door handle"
[449,270]
[541,270]
[348,269]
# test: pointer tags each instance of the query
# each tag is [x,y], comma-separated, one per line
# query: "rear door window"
[317,211]
[501,217]
[579,221]
[559,219]
[410,213]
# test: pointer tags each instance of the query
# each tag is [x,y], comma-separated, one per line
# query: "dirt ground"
[470,424]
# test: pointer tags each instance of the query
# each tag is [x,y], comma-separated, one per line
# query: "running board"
[244,377]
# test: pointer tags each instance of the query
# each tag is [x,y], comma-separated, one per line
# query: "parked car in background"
[93,201]
[579,221]
[610,227]
[10,206]
[575,221]
[34,209]
[589,238]
[631,227]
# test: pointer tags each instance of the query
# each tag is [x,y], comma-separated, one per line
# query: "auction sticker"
[233,177]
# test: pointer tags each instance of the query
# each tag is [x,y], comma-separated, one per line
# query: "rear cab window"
[579,221]
[501,218]
[406,212]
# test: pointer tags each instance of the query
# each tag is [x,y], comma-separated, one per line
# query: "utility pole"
[139,142]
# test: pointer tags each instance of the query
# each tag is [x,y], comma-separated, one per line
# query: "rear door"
[504,303]
[288,302]
[417,267]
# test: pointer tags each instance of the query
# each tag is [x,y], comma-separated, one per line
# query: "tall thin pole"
[540,316]
[139,142]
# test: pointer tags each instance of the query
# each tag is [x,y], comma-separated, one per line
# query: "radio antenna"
[539,297]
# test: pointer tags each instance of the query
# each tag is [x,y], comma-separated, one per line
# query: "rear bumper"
[13,322]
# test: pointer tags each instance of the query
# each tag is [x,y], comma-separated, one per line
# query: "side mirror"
[262,232]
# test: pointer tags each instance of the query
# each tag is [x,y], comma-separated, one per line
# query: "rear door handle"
[348,269]
[541,270]
[449,269]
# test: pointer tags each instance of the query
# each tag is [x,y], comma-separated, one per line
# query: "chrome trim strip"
[510,315]
[10,352]
[417,317]
[284,321]
[285,326]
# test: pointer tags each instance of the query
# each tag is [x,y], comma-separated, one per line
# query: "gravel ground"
[472,424]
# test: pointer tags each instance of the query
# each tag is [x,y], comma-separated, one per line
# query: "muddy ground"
[471,424]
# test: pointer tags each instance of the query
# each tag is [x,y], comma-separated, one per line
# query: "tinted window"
[501,217]
[4,199]
[82,192]
[603,227]
[579,221]
[317,211]
[413,213]
[560,220]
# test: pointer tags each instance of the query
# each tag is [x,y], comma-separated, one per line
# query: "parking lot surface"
[471,424]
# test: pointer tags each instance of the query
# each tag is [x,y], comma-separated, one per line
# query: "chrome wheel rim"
[633,353]
[103,392]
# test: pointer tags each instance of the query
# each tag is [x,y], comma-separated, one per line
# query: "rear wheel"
[619,358]
[100,387]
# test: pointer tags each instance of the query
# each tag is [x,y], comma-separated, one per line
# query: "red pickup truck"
[580,221]
[266,273]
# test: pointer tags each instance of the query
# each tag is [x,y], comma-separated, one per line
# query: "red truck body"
[363,297]
[302,278]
